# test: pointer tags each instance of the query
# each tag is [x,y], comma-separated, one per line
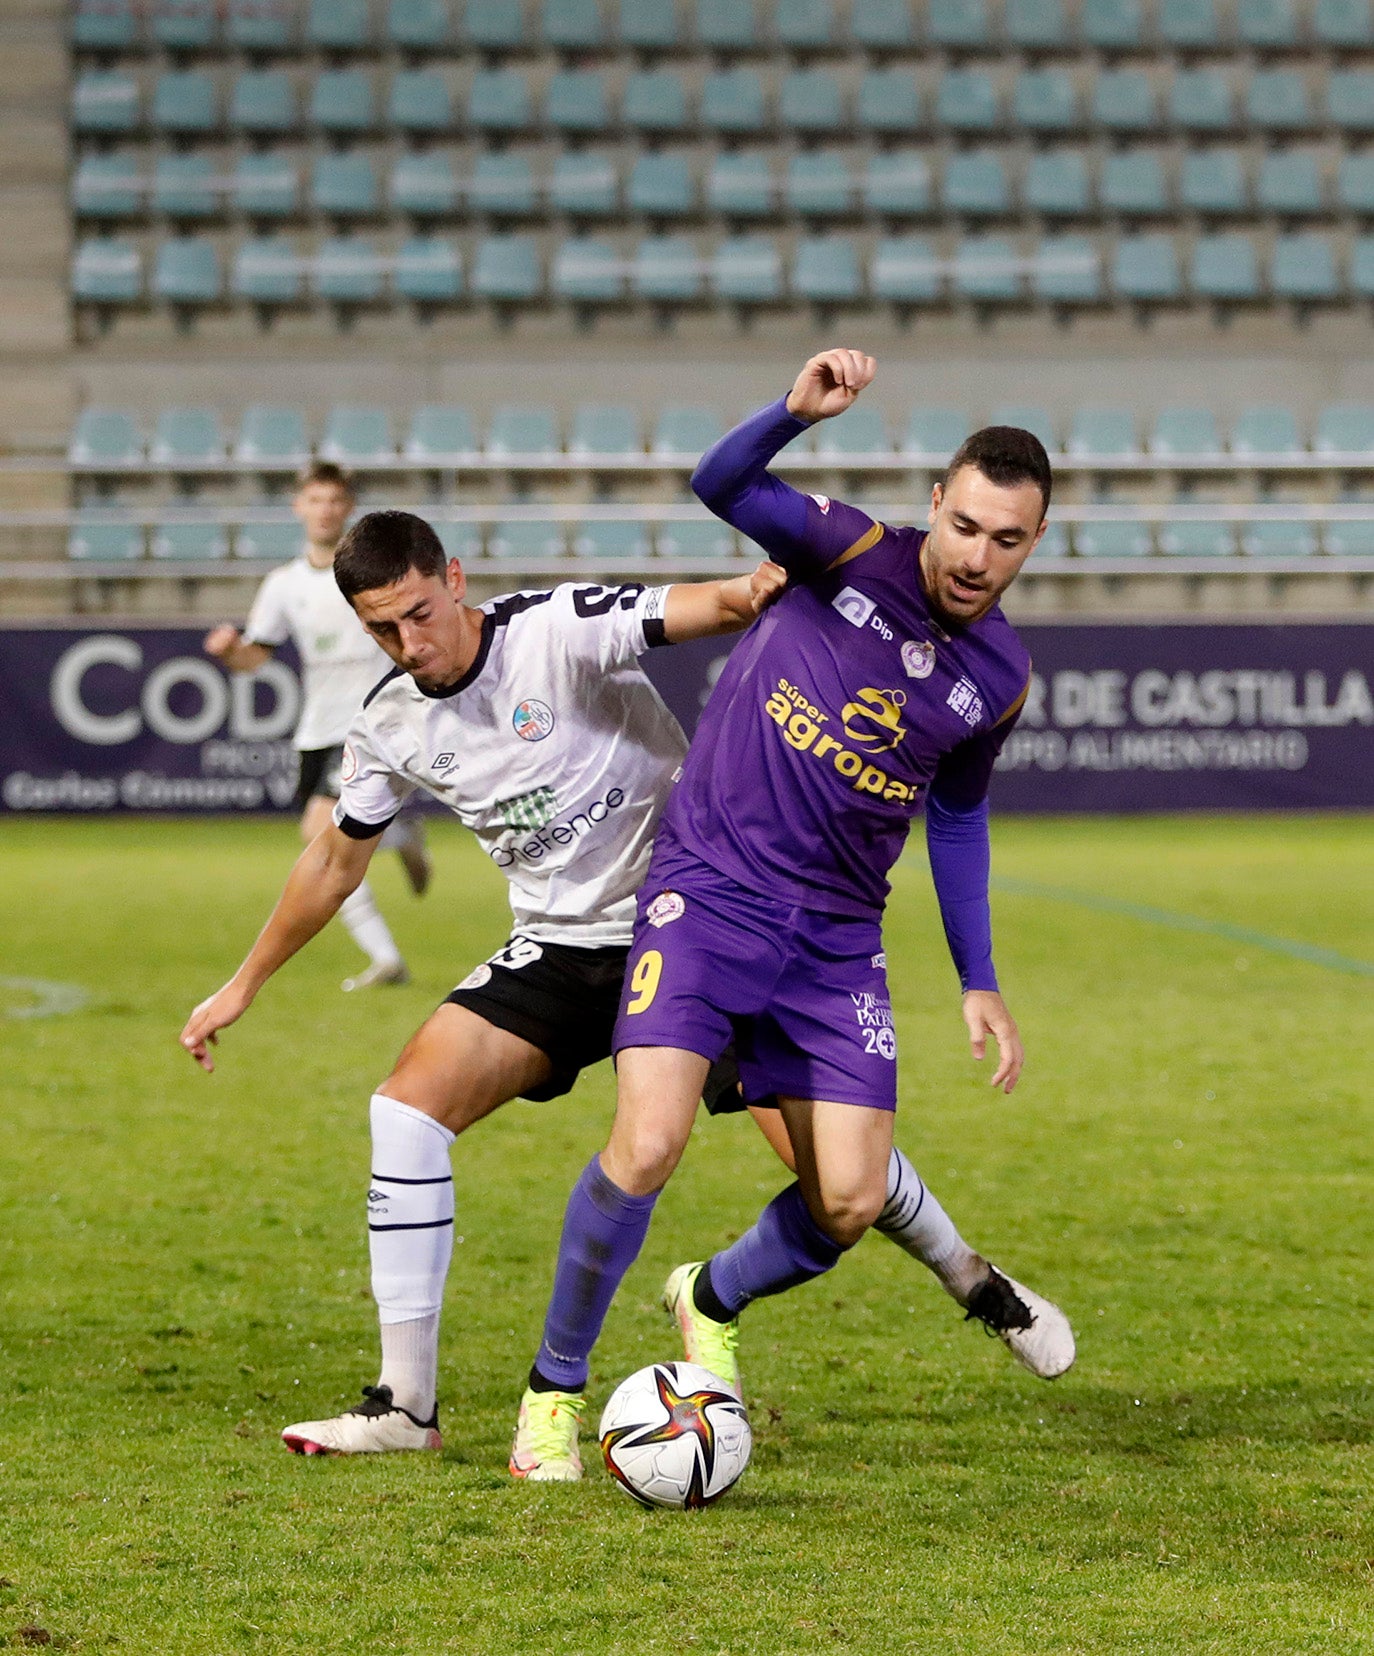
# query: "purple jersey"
[842,707]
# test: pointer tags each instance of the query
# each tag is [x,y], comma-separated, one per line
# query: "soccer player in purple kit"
[887,677]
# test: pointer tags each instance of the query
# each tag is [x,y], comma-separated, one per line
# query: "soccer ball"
[675,1436]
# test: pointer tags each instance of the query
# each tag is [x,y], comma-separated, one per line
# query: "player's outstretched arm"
[228,646]
[327,872]
[705,609]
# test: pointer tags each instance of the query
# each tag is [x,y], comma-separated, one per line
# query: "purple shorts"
[802,995]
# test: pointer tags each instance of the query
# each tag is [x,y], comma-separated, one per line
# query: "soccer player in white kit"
[340,663]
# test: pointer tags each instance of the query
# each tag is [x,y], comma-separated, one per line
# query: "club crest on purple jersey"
[918,658]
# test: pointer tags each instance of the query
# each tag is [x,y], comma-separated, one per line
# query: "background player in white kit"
[340,663]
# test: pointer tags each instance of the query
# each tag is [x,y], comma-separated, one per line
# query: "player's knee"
[849,1213]
[642,1158]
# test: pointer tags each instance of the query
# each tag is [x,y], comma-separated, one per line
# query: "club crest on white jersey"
[532,720]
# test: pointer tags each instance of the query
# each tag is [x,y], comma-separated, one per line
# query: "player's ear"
[456,580]
[937,494]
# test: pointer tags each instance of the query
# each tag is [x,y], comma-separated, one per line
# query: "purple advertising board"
[1120,717]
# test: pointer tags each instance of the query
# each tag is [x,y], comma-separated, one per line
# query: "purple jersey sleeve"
[803,533]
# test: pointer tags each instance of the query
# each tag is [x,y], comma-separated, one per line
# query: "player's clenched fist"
[829,384]
[765,584]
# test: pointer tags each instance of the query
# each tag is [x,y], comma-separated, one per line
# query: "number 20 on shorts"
[644,978]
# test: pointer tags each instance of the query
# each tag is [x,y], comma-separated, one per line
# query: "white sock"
[915,1221]
[403,831]
[367,928]
[410,1237]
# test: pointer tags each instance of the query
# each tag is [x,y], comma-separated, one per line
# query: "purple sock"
[603,1230]
[784,1246]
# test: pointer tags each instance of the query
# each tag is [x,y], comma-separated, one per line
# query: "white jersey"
[340,661]
[554,748]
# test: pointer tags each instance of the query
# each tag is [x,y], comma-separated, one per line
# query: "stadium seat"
[1264,539]
[1267,24]
[460,540]
[1289,183]
[1067,270]
[1345,428]
[1197,540]
[987,268]
[648,25]
[1266,429]
[1123,101]
[1056,184]
[337,25]
[494,25]
[1201,100]
[585,185]
[685,430]
[575,101]
[107,187]
[1036,25]
[1362,267]
[1145,269]
[502,185]
[975,186]
[1352,539]
[605,428]
[418,25]
[184,101]
[184,187]
[259,25]
[266,270]
[105,100]
[809,101]
[423,185]
[655,100]
[440,434]
[746,269]
[1343,23]
[1224,267]
[966,101]
[694,539]
[1355,183]
[726,25]
[738,185]
[936,431]
[1129,539]
[263,101]
[588,270]
[732,101]
[627,545]
[348,271]
[1045,100]
[1213,182]
[888,101]
[666,268]
[1103,434]
[905,270]
[267,541]
[522,430]
[506,269]
[897,182]
[185,25]
[1276,100]
[825,270]
[344,186]
[190,542]
[341,101]
[1112,25]
[420,101]
[1133,184]
[524,539]
[1350,100]
[357,434]
[105,437]
[105,542]
[104,25]
[273,437]
[881,25]
[499,101]
[1188,24]
[804,25]
[1181,433]
[1027,417]
[860,431]
[661,186]
[818,184]
[186,271]
[571,25]
[961,24]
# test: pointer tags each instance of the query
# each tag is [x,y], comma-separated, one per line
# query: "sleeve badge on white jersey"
[348,765]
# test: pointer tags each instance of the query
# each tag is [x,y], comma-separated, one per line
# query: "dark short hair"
[1006,456]
[381,547]
[325,471]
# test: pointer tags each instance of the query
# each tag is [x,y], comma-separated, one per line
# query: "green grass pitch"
[1186,1168]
